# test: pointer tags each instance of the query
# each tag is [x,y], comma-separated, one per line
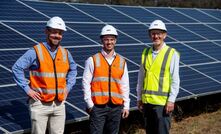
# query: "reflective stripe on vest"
[48,91]
[50,78]
[157,76]
[105,85]
[106,94]
[50,75]
[106,79]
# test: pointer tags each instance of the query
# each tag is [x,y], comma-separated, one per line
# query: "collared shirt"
[29,61]
[88,75]
[174,71]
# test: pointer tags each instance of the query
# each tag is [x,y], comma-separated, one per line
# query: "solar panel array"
[195,33]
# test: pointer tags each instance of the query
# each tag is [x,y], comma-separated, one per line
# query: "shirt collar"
[156,52]
[49,47]
[106,55]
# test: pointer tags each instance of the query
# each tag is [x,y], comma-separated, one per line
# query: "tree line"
[216,4]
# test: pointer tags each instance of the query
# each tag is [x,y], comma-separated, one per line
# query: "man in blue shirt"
[52,75]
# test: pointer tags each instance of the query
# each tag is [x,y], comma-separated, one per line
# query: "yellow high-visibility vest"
[157,77]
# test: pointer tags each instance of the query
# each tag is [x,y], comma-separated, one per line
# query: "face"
[108,42]
[54,36]
[157,37]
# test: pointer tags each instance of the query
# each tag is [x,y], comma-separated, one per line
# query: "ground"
[205,123]
[193,116]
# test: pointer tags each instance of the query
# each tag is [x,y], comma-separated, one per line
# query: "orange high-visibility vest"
[50,78]
[105,85]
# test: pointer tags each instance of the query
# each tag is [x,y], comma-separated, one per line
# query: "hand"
[140,105]
[65,93]
[34,95]
[125,113]
[169,107]
[88,110]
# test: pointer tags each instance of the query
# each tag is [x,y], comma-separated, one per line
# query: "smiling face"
[108,42]
[54,37]
[157,37]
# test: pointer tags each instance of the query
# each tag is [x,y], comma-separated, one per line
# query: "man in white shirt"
[106,86]
[158,81]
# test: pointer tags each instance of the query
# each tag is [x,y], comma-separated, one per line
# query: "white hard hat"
[56,23]
[108,30]
[157,24]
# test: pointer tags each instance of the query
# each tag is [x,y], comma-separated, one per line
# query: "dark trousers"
[105,119]
[156,119]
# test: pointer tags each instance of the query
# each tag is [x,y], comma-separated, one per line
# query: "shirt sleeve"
[174,70]
[125,88]
[86,81]
[140,80]
[72,73]
[26,61]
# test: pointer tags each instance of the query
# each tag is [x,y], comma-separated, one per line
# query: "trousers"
[105,119]
[156,119]
[47,114]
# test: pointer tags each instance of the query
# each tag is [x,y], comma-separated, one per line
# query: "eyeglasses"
[156,33]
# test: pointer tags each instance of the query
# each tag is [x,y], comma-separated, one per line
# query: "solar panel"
[14,10]
[139,13]
[109,16]
[195,33]
[189,55]
[181,34]
[213,13]
[209,48]
[216,26]
[171,14]
[198,82]
[198,15]
[204,31]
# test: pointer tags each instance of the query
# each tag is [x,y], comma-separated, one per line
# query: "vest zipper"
[109,79]
[56,81]
[109,83]
[55,73]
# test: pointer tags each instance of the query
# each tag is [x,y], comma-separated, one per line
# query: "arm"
[26,62]
[86,81]
[72,73]
[125,89]
[140,87]
[174,70]
[23,63]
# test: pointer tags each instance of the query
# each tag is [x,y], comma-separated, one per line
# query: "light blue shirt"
[29,61]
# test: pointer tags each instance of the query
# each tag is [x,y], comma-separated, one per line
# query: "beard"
[54,41]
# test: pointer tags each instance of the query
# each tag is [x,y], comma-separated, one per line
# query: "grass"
[205,123]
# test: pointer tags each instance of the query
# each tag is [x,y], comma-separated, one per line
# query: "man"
[158,81]
[52,76]
[106,86]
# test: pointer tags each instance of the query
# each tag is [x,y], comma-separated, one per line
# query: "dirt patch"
[205,123]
